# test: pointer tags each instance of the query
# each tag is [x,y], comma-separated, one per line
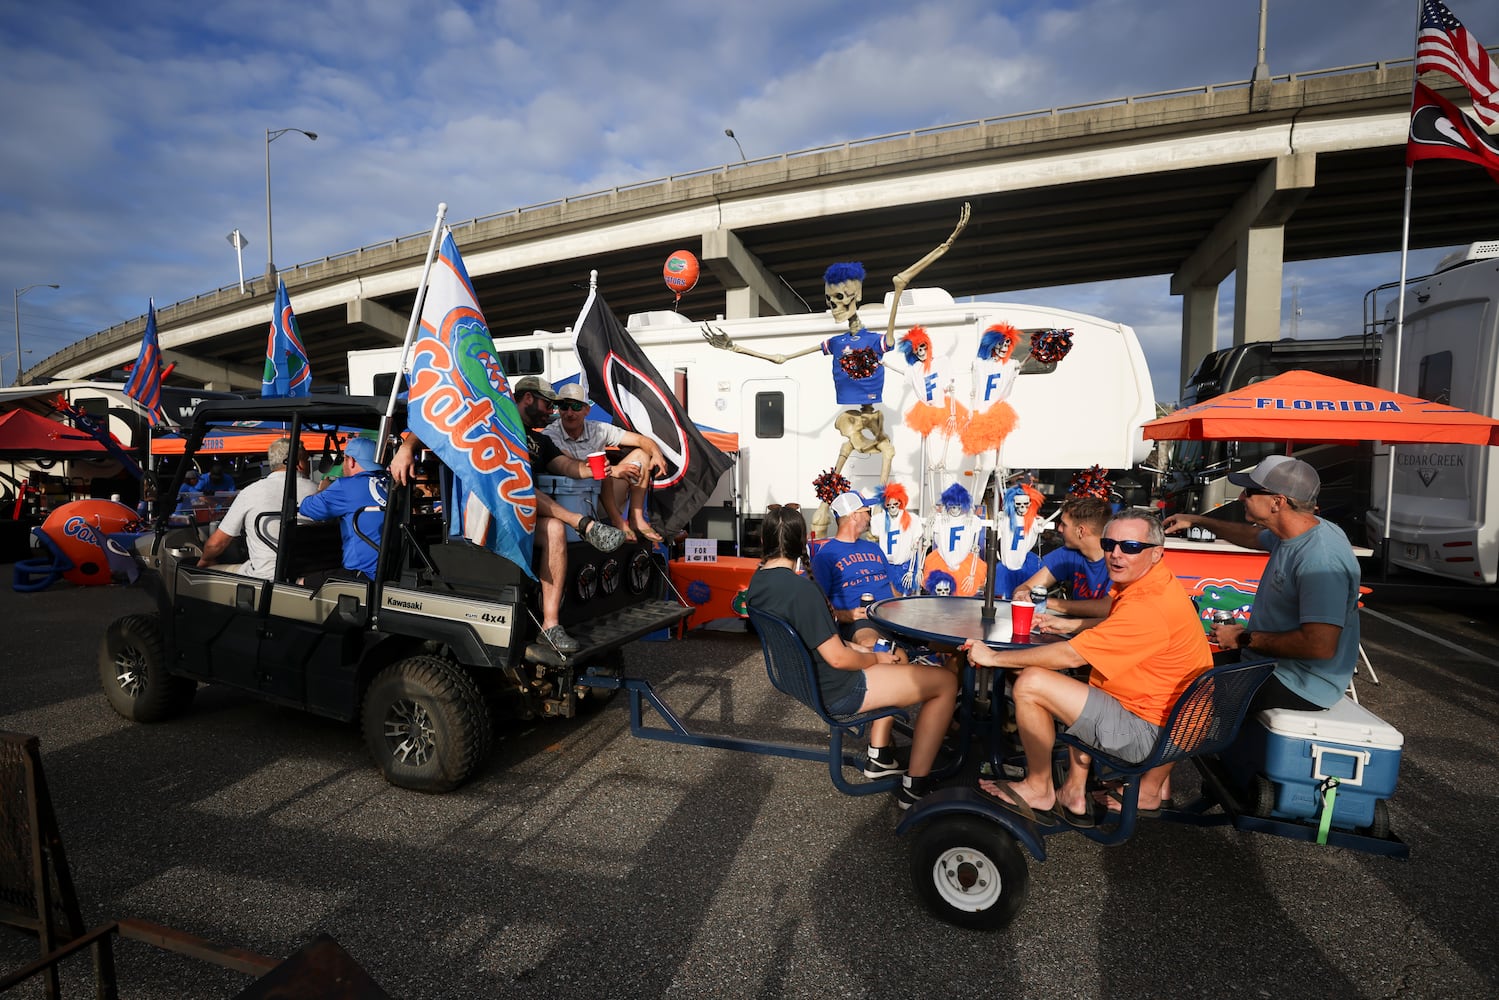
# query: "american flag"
[1443,45]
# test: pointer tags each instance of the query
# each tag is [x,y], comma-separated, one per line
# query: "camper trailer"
[1085,410]
[1444,515]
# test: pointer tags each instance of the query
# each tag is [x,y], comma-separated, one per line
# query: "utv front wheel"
[426,724]
[133,672]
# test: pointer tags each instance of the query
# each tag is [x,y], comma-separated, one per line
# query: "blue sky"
[135,133]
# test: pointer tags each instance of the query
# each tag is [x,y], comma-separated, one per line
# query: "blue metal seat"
[792,671]
[1204,720]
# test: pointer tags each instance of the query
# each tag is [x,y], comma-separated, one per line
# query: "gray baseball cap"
[1289,477]
[531,383]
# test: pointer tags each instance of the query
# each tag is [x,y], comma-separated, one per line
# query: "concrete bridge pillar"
[1199,327]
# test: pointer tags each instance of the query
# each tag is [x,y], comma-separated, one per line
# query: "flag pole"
[1405,241]
[416,313]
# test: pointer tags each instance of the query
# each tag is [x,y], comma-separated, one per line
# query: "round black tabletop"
[945,620]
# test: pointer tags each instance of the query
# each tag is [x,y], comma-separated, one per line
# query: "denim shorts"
[1111,727]
[850,703]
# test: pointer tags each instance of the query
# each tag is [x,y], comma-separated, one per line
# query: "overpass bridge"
[1197,184]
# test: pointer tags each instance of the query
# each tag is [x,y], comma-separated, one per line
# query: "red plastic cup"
[1022,613]
[598,464]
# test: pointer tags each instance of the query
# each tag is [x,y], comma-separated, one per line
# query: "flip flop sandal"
[1017,804]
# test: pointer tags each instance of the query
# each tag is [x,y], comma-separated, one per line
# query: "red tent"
[25,435]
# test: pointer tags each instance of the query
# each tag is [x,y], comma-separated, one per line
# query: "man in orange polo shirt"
[1143,655]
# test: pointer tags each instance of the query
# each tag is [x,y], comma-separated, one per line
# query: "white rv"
[1085,410]
[1443,517]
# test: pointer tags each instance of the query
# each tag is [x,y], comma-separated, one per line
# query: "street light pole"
[730,133]
[271,135]
[20,292]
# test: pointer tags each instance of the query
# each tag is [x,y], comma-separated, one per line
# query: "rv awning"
[1306,406]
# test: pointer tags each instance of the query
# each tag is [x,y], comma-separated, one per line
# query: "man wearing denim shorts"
[1143,655]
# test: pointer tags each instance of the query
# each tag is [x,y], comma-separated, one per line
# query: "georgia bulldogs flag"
[620,378]
[1439,130]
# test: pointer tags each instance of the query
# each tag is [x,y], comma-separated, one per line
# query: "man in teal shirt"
[1306,609]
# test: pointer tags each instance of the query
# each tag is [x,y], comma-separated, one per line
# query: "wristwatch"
[1245,637]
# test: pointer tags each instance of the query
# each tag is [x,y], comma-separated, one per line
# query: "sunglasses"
[1129,548]
[778,506]
[571,404]
[1255,491]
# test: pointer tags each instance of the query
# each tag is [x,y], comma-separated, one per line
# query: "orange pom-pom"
[988,430]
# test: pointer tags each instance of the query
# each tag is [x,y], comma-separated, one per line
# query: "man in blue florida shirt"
[358,499]
[1079,564]
[847,566]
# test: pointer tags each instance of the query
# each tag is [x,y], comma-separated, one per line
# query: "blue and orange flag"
[144,384]
[287,372]
[459,405]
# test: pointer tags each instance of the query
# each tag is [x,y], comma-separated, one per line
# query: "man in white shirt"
[579,437]
[258,498]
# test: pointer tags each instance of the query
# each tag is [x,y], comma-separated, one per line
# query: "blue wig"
[996,334]
[837,274]
[956,496]
[935,577]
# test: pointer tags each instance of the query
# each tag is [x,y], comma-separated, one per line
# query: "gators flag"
[620,378]
[144,385]
[287,372]
[459,405]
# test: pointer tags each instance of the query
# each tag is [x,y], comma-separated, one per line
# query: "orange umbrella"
[1306,406]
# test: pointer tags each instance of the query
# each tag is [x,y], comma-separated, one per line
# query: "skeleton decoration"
[940,583]
[937,411]
[956,543]
[858,376]
[1018,527]
[898,534]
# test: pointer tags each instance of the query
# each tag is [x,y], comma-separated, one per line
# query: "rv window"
[770,415]
[1436,377]
[383,382]
[517,363]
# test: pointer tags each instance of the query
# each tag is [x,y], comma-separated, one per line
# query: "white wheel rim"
[967,879]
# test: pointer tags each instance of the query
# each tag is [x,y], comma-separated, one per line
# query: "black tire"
[133,672]
[426,724]
[969,872]
[1380,827]
[1261,796]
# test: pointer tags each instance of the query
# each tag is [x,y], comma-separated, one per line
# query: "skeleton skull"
[1022,503]
[944,588]
[843,298]
[955,510]
[893,508]
[921,352]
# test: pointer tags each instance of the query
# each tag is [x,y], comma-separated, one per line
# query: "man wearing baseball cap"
[848,566]
[1306,610]
[357,499]
[578,437]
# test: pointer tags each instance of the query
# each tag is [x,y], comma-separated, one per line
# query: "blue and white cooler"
[581,496]
[1296,752]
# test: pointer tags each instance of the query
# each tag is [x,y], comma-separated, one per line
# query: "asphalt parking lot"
[583,862]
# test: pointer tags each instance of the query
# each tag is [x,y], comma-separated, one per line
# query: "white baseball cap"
[847,503]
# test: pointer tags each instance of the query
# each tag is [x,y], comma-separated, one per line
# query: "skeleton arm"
[901,280]
[719,339]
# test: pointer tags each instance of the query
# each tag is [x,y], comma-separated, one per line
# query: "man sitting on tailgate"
[537,403]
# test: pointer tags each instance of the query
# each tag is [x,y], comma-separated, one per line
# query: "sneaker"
[604,537]
[893,761]
[563,642]
[907,795]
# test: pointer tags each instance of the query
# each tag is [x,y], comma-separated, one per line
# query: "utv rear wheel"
[133,672]
[426,724]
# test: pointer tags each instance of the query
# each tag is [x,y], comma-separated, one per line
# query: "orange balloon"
[680,271]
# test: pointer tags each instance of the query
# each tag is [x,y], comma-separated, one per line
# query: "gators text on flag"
[287,372]
[459,405]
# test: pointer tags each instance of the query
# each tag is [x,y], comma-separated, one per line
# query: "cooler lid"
[1346,722]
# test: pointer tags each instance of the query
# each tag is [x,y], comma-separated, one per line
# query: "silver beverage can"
[1038,598]
[865,600]
[1223,617]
